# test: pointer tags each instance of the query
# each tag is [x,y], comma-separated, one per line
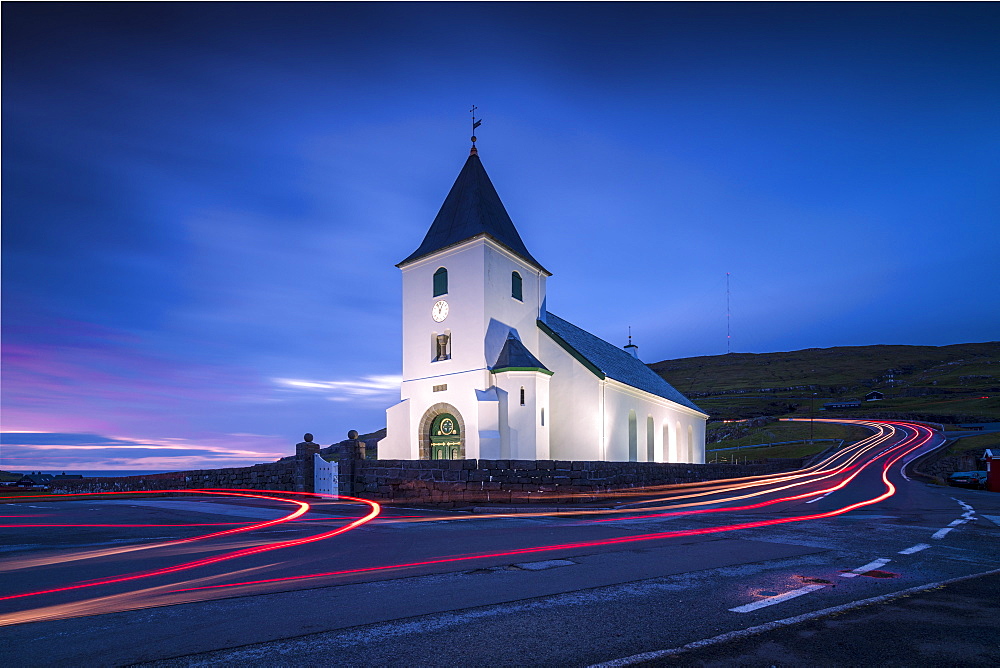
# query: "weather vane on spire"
[475,124]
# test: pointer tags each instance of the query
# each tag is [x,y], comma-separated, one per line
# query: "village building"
[490,373]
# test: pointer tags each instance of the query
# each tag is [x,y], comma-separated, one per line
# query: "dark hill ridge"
[960,381]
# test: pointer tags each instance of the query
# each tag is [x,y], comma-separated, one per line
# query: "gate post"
[353,450]
[305,464]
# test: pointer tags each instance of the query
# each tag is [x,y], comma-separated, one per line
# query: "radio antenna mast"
[729,335]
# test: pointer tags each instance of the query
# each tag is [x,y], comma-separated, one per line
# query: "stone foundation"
[457,483]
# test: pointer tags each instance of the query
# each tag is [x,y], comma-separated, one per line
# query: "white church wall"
[527,437]
[466,311]
[396,444]
[501,308]
[575,399]
[699,427]
[460,393]
[620,398]
[490,442]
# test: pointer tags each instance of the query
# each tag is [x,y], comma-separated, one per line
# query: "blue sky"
[204,203]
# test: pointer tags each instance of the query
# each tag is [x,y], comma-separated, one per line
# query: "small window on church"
[440,282]
[515,286]
[522,396]
[543,417]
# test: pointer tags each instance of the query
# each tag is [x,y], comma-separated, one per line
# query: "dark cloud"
[201,198]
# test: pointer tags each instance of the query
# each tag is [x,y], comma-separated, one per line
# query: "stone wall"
[938,466]
[440,483]
[485,481]
[275,476]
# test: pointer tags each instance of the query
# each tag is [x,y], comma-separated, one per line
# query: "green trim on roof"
[571,350]
[523,368]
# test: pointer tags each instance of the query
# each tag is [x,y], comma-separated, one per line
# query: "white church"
[490,373]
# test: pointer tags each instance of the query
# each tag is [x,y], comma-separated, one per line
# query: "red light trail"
[890,490]
[837,471]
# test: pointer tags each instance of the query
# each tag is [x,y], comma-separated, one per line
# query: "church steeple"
[472,209]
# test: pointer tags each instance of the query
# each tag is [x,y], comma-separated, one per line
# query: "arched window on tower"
[440,282]
[522,396]
[515,286]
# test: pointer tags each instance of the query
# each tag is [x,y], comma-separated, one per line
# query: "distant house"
[35,480]
[874,395]
[839,405]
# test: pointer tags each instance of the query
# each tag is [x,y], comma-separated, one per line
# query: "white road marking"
[961,503]
[779,623]
[773,600]
[968,515]
[870,566]
[915,548]
[820,497]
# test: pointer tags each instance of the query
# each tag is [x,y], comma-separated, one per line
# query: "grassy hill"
[957,383]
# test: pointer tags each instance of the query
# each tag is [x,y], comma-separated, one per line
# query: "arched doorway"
[431,432]
[445,437]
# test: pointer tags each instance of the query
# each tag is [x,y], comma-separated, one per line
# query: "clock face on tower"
[439,311]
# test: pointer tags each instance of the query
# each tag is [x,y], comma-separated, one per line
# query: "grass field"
[975,443]
[944,383]
[957,366]
[773,452]
[777,432]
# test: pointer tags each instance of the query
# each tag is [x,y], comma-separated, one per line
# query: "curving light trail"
[303,507]
[909,445]
[890,443]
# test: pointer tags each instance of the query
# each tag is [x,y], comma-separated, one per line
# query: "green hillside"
[957,383]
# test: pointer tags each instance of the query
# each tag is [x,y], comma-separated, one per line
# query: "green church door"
[446,440]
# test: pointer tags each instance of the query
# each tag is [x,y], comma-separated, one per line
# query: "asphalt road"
[429,588]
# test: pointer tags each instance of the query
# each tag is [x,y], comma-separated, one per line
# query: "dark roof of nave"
[612,361]
[515,356]
[471,209]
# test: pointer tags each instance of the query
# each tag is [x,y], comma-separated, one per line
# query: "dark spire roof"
[472,209]
[515,356]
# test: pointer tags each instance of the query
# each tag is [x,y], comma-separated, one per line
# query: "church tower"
[473,386]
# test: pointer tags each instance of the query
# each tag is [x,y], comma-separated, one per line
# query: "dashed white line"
[820,497]
[870,566]
[915,548]
[780,623]
[967,516]
[773,600]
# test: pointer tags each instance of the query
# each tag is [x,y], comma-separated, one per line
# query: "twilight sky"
[204,203]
